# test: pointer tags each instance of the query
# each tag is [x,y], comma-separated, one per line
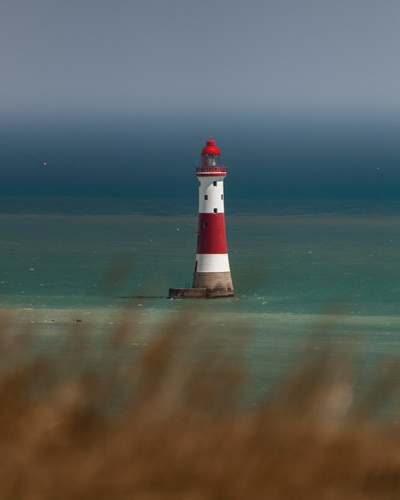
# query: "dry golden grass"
[176,430]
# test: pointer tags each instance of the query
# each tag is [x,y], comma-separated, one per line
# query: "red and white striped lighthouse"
[212,275]
[212,263]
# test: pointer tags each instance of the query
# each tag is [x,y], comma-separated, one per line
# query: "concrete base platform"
[213,281]
[198,293]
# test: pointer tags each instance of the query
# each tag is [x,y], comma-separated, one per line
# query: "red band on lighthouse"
[212,234]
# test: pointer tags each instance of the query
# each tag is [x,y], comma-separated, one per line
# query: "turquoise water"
[298,268]
[290,259]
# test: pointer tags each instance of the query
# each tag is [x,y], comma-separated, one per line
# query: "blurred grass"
[166,421]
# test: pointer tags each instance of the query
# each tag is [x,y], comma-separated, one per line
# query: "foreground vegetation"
[165,421]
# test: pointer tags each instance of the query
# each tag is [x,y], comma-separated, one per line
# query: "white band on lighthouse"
[211,195]
[212,263]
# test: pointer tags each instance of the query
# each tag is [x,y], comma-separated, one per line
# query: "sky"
[302,93]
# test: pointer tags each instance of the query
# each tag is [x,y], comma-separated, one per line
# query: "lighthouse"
[212,275]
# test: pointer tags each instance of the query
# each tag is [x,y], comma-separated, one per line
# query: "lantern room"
[210,156]
[211,160]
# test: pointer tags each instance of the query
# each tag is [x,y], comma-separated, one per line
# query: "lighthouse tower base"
[198,293]
[205,286]
[218,281]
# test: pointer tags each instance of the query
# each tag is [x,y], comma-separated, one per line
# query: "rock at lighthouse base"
[198,293]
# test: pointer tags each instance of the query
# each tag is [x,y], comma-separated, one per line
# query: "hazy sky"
[187,55]
[304,94]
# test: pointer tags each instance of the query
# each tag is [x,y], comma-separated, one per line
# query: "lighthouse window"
[205,224]
[222,196]
[214,183]
[206,196]
[199,183]
[211,160]
[215,210]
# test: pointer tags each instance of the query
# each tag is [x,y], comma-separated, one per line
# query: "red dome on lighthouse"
[211,161]
[210,148]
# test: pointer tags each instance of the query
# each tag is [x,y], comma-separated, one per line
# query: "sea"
[305,271]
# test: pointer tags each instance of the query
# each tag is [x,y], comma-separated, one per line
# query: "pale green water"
[289,267]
